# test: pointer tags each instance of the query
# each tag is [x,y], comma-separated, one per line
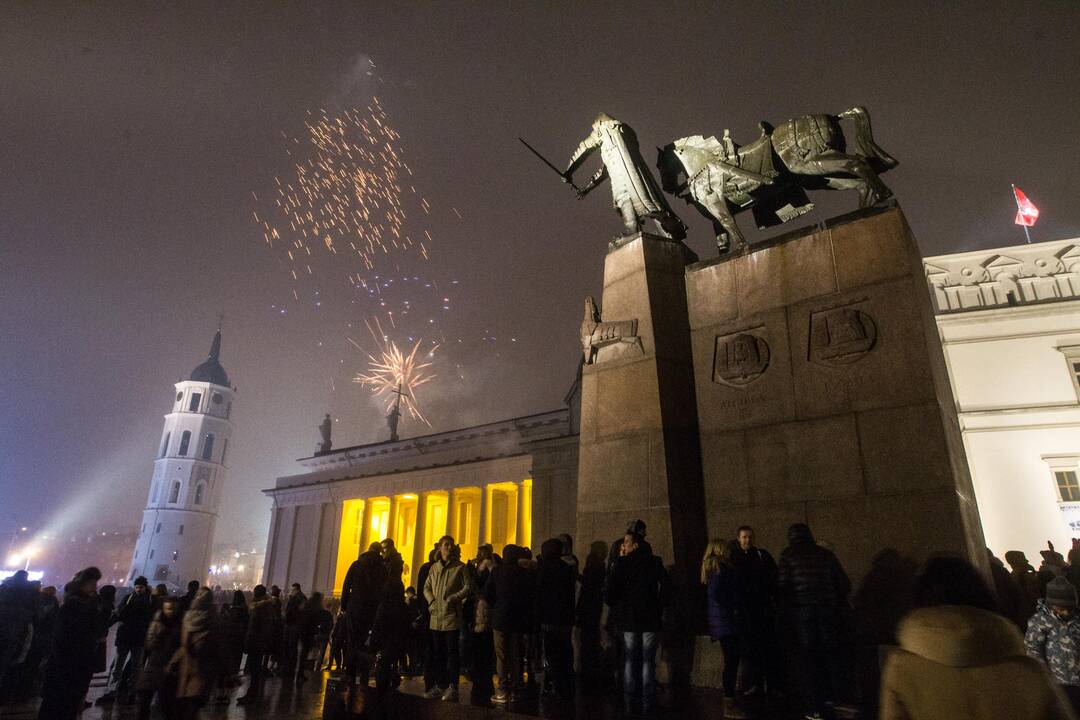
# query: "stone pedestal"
[639,454]
[823,397]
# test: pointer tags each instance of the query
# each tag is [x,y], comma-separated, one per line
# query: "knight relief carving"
[617,339]
[841,336]
[741,358]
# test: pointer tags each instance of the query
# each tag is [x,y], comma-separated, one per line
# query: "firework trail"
[393,372]
[346,196]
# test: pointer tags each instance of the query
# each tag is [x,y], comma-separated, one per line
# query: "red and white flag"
[1026,212]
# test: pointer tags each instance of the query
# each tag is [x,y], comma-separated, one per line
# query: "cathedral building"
[508,482]
[177,530]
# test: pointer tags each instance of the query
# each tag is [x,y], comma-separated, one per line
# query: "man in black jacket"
[756,598]
[637,590]
[294,605]
[68,674]
[509,596]
[360,596]
[556,582]
[813,590]
[135,614]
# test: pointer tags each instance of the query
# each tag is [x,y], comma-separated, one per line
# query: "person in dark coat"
[74,656]
[18,605]
[291,638]
[509,597]
[757,576]
[258,642]
[106,600]
[1010,599]
[389,635]
[638,588]
[162,641]
[189,596]
[482,641]
[315,620]
[232,623]
[135,613]
[722,613]
[272,659]
[813,590]
[424,639]
[1026,579]
[589,612]
[556,583]
[360,595]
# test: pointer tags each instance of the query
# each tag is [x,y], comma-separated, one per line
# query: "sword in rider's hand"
[565,178]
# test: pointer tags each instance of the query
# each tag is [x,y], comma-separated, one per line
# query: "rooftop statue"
[325,429]
[634,191]
[721,178]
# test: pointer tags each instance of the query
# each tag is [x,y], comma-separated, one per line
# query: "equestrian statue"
[771,174]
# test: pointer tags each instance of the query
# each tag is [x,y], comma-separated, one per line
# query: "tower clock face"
[179,396]
[217,398]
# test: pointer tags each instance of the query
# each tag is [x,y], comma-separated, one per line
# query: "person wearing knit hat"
[1061,596]
[1053,636]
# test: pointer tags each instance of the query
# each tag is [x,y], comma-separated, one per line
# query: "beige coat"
[962,662]
[446,588]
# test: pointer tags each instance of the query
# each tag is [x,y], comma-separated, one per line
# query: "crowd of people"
[521,627]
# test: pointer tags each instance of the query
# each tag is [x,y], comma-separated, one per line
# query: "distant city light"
[32,575]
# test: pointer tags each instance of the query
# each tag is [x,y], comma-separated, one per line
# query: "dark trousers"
[426,647]
[817,646]
[732,647]
[483,666]
[62,697]
[288,650]
[256,671]
[558,658]
[447,660]
[508,651]
[126,668]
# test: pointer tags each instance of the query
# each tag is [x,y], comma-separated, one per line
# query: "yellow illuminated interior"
[435,521]
[379,522]
[525,508]
[352,517]
[404,533]
[465,521]
[502,514]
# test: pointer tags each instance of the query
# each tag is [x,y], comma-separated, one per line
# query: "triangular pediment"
[934,269]
[1072,251]
[999,261]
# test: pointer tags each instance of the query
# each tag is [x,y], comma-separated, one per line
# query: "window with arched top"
[174,494]
[208,446]
[185,440]
[165,444]
[199,494]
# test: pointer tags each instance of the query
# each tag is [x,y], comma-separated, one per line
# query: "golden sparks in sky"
[392,370]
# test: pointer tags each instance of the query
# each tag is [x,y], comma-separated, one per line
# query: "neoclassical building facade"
[1009,321]
[512,481]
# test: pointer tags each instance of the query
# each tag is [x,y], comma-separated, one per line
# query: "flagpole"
[1027,233]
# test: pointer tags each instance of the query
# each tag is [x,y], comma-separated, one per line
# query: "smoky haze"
[134,135]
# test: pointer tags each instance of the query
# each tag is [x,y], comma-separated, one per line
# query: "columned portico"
[477,486]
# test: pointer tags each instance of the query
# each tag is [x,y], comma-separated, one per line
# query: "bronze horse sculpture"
[771,174]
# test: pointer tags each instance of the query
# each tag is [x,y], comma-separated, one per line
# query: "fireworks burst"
[347,196]
[393,373]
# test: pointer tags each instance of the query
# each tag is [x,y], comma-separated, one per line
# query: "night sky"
[132,141]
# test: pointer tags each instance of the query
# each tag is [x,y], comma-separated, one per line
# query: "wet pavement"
[283,700]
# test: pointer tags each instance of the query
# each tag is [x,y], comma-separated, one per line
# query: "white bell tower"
[177,531]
